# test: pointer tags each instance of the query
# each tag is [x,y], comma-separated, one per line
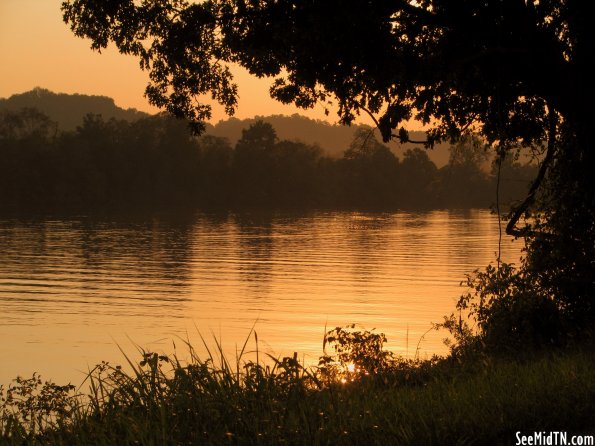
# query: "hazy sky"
[38,50]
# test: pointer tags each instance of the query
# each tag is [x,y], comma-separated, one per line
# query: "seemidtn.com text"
[553,438]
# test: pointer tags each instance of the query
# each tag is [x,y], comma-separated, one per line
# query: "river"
[74,290]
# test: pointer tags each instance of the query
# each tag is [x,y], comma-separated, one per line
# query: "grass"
[359,395]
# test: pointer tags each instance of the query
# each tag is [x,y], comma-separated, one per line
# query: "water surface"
[72,288]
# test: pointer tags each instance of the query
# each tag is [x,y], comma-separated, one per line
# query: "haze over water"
[72,288]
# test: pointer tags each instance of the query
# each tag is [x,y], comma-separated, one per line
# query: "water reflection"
[255,244]
[368,242]
[70,288]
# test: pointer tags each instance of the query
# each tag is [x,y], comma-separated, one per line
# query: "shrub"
[508,311]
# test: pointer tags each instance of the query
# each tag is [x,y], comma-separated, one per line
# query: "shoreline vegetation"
[156,163]
[359,394]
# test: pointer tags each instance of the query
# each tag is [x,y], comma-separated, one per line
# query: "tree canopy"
[498,64]
[514,70]
[518,72]
[157,163]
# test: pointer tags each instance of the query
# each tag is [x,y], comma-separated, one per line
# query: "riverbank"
[217,402]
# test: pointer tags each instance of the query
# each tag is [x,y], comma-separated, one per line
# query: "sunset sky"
[39,50]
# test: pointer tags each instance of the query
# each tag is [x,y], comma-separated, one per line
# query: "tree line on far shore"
[156,162]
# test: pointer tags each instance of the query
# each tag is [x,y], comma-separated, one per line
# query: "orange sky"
[38,50]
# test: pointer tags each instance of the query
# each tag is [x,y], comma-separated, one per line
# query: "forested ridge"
[69,110]
[157,161]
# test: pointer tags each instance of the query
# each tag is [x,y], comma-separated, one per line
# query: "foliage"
[68,110]
[357,354]
[493,63]
[514,179]
[512,313]
[464,180]
[157,162]
[560,246]
[371,171]
[420,179]
[469,152]
[548,300]
[162,400]
[30,406]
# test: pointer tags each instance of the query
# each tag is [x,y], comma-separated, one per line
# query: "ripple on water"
[71,288]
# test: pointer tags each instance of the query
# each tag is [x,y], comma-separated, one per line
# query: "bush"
[509,311]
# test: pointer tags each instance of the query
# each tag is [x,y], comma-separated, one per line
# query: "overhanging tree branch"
[511,228]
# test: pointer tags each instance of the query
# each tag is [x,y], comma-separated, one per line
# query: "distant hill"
[68,109]
[334,139]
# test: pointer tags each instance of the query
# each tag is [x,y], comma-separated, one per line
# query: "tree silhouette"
[519,72]
[214,171]
[272,172]
[463,181]
[156,161]
[253,163]
[371,171]
[497,63]
[418,177]
[26,139]
[515,70]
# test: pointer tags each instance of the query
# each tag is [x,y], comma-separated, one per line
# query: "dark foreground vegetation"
[358,395]
[157,162]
